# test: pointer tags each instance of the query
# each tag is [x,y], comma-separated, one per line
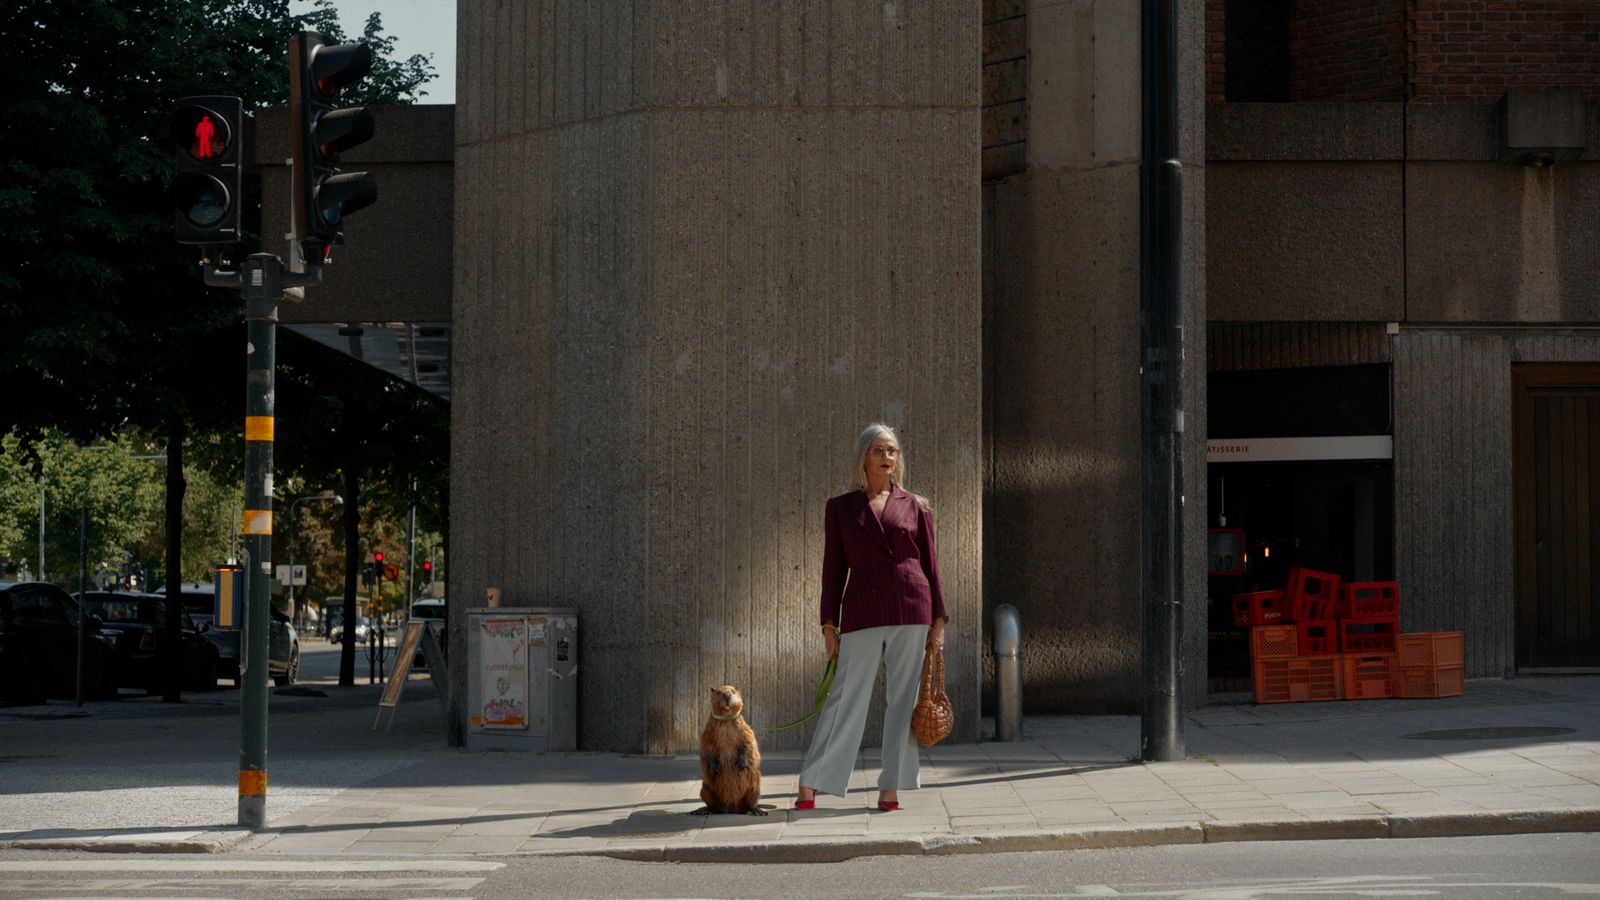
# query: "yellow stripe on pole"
[258,521]
[258,428]
[252,784]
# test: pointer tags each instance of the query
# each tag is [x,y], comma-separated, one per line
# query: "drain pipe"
[1161,389]
[1007,674]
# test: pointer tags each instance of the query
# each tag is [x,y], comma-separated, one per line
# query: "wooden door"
[1556,473]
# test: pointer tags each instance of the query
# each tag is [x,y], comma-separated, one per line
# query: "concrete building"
[693,251]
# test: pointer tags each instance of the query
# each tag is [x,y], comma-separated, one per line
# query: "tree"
[385,432]
[120,491]
[110,325]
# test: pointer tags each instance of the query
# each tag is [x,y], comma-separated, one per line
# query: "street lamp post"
[314,498]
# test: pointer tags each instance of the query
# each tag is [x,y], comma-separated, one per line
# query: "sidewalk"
[1511,756]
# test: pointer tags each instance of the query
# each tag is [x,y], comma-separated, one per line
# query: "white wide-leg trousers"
[837,741]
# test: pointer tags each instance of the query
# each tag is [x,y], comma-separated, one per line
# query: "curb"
[1424,825]
[223,842]
[1347,828]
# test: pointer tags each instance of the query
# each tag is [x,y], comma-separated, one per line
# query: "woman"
[881,603]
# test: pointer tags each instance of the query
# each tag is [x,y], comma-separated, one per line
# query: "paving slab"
[1370,769]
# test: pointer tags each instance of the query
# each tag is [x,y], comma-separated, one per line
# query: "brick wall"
[1472,51]
[1431,51]
[1347,50]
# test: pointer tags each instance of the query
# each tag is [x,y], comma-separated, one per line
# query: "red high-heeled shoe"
[888,805]
[805,804]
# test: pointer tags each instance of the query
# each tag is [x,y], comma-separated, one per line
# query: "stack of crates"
[1283,675]
[1430,664]
[1314,601]
[1319,639]
[1368,624]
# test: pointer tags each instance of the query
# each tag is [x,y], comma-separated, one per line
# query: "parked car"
[137,624]
[429,611]
[39,646]
[283,655]
[363,627]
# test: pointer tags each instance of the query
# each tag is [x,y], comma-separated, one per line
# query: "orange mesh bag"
[933,718]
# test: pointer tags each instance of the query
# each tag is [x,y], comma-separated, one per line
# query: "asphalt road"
[1471,868]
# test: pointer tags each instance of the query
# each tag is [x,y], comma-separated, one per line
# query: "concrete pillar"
[1062,506]
[700,246]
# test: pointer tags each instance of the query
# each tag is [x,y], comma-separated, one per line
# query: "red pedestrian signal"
[206,186]
[203,133]
[377,557]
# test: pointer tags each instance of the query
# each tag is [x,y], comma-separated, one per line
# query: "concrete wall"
[1393,212]
[698,250]
[1062,360]
[1454,525]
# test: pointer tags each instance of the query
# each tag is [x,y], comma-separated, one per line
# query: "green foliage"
[389,432]
[392,80]
[122,494]
[109,323]
[111,330]
[211,514]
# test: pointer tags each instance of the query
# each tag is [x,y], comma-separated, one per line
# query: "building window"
[1257,48]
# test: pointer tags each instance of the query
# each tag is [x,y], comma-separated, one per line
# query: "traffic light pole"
[261,280]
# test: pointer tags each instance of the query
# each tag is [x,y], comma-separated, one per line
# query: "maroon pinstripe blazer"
[876,572]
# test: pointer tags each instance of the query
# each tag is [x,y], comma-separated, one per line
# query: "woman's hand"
[936,635]
[830,639]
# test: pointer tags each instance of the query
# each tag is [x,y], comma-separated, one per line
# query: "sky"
[418,26]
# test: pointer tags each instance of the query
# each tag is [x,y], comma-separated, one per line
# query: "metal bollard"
[1007,674]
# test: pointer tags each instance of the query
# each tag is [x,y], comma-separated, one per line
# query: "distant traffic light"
[324,195]
[205,189]
[427,571]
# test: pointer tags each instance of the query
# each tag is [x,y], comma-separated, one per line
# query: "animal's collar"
[727,718]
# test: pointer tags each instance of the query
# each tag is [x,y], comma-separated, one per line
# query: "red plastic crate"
[1298,678]
[1430,648]
[1429,681]
[1313,595]
[1363,599]
[1273,642]
[1367,676]
[1371,634]
[1316,638]
[1259,608]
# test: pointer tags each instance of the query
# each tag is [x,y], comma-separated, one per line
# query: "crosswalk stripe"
[213,864]
[291,886]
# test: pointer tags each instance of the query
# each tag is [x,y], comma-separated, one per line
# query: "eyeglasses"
[888,452]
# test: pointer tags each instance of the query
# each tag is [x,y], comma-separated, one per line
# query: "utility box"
[522,679]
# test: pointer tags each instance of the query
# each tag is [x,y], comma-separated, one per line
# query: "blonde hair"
[858,473]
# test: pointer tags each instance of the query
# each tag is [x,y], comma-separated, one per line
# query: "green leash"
[822,695]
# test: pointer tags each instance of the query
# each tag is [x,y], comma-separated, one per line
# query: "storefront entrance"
[1556,473]
[1300,473]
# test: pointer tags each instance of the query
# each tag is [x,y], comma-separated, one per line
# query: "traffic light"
[205,187]
[320,133]
[368,575]
[427,571]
